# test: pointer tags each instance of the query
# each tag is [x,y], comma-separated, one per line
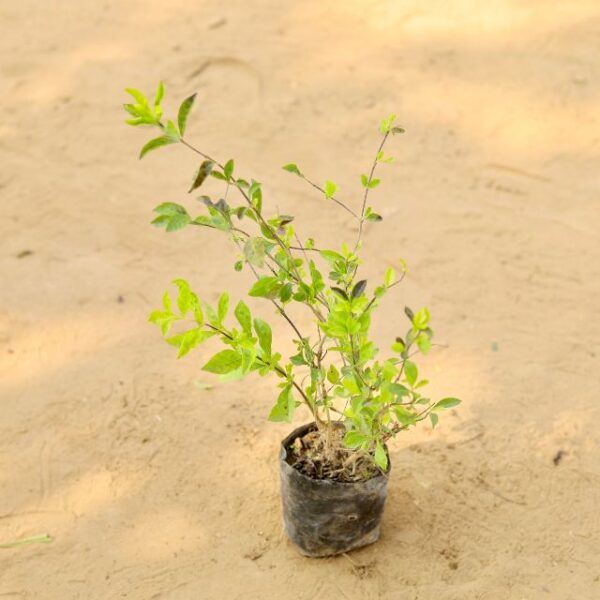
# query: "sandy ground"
[151,488]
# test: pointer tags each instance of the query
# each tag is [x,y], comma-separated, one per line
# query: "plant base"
[324,517]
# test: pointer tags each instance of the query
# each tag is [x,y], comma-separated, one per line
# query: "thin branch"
[202,154]
[367,189]
[338,202]
[275,303]
[279,241]
[301,246]
[305,249]
[389,287]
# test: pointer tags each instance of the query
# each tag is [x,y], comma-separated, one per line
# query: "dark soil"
[311,456]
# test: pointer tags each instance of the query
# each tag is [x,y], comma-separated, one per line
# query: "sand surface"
[154,489]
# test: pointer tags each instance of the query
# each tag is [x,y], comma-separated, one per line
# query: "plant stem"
[367,189]
[338,202]
[296,275]
[276,304]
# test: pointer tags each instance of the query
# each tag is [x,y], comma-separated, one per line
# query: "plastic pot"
[325,517]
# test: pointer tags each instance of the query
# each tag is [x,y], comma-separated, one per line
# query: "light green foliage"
[330,189]
[224,362]
[171,216]
[265,337]
[372,216]
[242,314]
[292,168]
[163,140]
[285,406]
[335,370]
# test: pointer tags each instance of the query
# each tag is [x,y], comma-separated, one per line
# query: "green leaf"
[446,403]
[184,111]
[397,130]
[160,92]
[138,96]
[163,319]
[228,169]
[171,132]
[202,173]
[292,168]
[424,343]
[316,280]
[374,217]
[374,183]
[238,265]
[285,406]
[380,291]
[384,159]
[132,109]
[244,317]
[249,359]
[333,375]
[197,309]
[381,459]
[386,124]
[398,390]
[189,340]
[163,140]
[331,256]
[211,314]
[166,300]
[388,370]
[354,439]
[265,336]
[255,193]
[163,219]
[170,209]
[390,277]
[186,296]
[364,180]
[172,216]
[434,419]
[285,294]
[265,287]
[405,416]
[298,360]
[223,306]
[330,189]
[255,250]
[223,362]
[177,222]
[411,372]
[421,318]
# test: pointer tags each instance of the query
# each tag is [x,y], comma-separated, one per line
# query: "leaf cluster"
[336,371]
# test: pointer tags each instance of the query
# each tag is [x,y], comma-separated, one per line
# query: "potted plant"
[334,470]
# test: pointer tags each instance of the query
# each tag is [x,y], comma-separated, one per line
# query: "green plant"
[335,371]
